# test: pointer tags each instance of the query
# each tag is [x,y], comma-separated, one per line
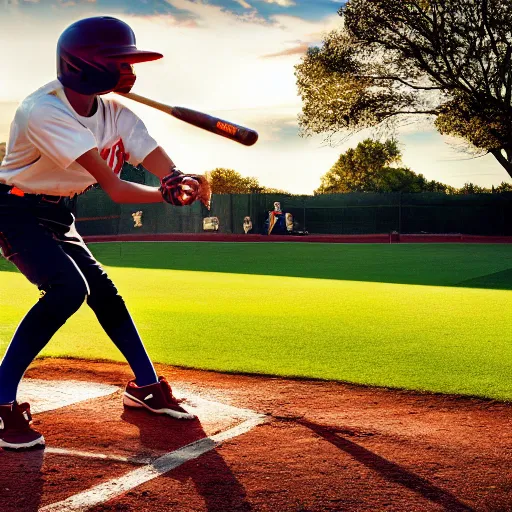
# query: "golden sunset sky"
[231,58]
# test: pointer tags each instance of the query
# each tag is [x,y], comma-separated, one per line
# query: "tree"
[228,181]
[271,190]
[471,188]
[450,60]
[368,168]
[503,187]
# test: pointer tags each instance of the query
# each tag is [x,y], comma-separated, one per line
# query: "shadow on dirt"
[210,475]
[388,470]
[21,480]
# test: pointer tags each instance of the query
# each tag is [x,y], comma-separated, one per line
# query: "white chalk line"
[49,395]
[94,455]
[117,486]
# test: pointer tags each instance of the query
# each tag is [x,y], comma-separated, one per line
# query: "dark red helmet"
[94,56]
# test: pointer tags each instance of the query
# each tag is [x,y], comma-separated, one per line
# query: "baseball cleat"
[157,398]
[16,432]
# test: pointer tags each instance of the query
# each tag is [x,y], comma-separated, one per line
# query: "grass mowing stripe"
[443,339]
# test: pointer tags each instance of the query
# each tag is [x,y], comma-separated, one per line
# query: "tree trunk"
[504,159]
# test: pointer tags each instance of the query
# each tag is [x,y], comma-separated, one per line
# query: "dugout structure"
[343,214]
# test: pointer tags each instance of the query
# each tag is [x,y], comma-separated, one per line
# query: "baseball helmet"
[95,56]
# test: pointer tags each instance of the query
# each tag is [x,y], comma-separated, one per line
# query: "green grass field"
[432,317]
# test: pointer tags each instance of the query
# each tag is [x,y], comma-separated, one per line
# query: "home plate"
[226,422]
[48,395]
[208,410]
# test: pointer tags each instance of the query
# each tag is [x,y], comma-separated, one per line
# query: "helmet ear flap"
[127,78]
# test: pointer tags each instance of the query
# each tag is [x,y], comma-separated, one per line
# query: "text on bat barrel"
[225,127]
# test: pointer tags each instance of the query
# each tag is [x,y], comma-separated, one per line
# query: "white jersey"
[47,136]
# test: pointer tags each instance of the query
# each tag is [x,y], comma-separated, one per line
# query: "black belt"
[45,198]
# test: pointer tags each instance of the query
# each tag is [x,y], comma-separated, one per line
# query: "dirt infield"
[316,446]
[341,239]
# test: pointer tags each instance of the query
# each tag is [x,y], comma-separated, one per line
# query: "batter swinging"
[64,138]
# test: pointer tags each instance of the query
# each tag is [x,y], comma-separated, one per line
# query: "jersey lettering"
[115,156]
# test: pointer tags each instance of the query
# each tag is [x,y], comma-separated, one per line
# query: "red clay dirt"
[325,446]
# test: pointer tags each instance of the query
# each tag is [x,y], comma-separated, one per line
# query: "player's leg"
[146,390]
[63,289]
[112,313]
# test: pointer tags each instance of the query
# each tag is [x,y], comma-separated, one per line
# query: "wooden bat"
[226,129]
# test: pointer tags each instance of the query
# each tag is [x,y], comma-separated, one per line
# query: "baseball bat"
[212,124]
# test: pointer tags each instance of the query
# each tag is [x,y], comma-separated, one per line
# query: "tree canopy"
[393,59]
[228,181]
[369,168]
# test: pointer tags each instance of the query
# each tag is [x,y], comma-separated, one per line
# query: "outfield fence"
[344,214]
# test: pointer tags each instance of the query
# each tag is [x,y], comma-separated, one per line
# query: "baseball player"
[64,138]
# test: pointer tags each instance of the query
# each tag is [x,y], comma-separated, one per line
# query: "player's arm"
[118,190]
[158,163]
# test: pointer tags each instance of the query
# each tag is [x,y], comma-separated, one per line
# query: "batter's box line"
[94,455]
[117,486]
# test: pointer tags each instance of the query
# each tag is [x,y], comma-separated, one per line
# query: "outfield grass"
[472,265]
[422,317]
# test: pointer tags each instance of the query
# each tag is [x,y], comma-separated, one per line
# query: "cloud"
[295,50]
[67,3]
[282,3]
[243,3]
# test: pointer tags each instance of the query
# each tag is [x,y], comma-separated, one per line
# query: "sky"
[234,59]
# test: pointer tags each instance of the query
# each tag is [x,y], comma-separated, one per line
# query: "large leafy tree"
[393,59]
[228,181]
[372,167]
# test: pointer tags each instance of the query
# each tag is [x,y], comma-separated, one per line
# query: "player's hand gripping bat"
[226,129]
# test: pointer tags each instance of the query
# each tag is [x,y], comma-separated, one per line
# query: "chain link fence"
[354,213]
